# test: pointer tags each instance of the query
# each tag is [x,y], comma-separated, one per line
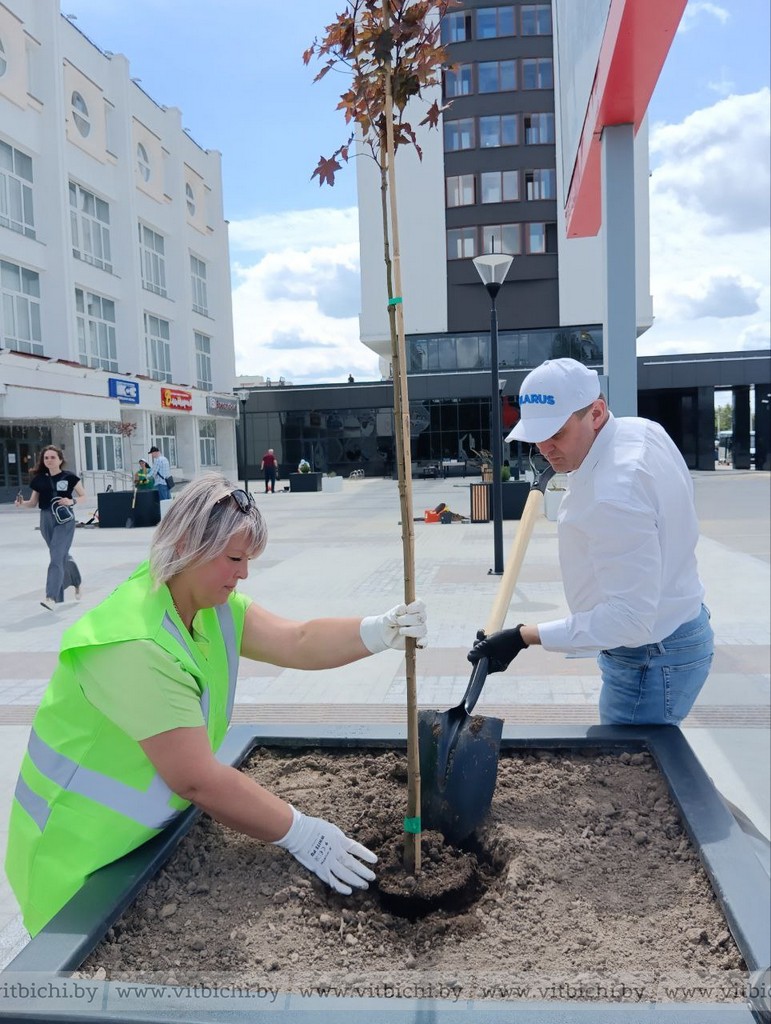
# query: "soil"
[582,883]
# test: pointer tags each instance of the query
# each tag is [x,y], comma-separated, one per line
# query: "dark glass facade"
[449,353]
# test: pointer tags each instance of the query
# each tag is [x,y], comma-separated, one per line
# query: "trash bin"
[480,502]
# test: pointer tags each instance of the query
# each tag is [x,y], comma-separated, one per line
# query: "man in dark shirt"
[268,466]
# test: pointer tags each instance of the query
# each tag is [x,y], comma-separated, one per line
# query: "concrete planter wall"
[741,886]
[304,482]
[331,484]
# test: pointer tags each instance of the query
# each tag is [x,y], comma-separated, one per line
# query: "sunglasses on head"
[242,498]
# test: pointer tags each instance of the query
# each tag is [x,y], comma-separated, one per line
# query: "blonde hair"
[199,525]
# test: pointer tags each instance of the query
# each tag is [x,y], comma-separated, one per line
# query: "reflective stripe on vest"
[149,808]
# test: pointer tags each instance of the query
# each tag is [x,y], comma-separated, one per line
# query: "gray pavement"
[340,554]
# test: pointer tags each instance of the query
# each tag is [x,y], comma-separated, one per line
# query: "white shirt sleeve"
[623,551]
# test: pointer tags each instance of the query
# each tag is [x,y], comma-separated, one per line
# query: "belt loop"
[661,648]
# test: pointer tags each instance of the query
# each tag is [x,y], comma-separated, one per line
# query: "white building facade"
[116,330]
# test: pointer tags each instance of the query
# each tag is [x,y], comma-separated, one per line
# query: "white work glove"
[379,632]
[324,849]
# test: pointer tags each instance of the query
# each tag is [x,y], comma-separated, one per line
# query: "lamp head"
[242,394]
[492,270]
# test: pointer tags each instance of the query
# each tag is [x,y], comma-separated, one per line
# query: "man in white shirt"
[627,533]
[161,471]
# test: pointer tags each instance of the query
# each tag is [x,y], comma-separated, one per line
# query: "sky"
[235,69]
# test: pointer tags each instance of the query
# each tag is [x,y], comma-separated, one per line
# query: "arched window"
[143,162]
[3,60]
[190,197]
[80,114]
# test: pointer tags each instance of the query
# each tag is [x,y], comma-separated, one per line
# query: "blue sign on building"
[124,390]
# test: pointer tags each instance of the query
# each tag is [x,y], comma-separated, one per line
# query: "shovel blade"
[458,768]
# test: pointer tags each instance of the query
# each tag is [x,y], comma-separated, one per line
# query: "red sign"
[173,398]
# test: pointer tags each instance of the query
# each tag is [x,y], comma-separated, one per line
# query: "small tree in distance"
[391,51]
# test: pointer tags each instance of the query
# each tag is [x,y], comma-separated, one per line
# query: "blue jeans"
[163,492]
[657,684]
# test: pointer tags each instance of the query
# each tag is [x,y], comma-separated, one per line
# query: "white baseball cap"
[549,396]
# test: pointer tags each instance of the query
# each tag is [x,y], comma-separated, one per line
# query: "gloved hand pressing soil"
[499,648]
[324,849]
[379,632]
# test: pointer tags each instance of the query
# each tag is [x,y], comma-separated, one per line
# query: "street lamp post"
[493,269]
[242,394]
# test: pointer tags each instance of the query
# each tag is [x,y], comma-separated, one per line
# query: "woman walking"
[52,485]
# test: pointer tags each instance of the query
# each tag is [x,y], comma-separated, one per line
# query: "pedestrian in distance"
[161,471]
[55,489]
[627,532]
[269,466]
[127,733]
[143,478]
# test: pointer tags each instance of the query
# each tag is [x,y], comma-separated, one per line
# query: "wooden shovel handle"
[532,510]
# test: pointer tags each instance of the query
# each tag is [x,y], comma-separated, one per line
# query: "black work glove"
[500,649]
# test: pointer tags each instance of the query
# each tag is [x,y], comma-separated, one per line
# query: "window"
[16,191]
[460,190]
[535,238]
[198,281]
[461,243]
[90,223]
[456,27]
[80,114]
[499,186]
[501,238]
[459,134]
[539,129]
[103,446]
[457,80]
[495,21]
[190,199]
[143,162]
[3,60]
[157,338]
[498,130]
[153,259]
[20,294]
[95,317]
[497,75]
[537,73]
[203,361]
[536,19]
[207,439]
[164,436]
[541,184]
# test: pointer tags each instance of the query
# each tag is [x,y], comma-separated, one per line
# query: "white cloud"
[296,301]
[710,237]
[696,9]
[296,230]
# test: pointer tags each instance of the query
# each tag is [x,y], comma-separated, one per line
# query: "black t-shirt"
[49,487]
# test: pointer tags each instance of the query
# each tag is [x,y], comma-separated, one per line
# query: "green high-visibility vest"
[87,794]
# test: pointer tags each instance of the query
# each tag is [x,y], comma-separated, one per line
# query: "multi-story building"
[116,329]
[490,180]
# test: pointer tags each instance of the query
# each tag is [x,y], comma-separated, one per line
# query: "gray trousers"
[62,570]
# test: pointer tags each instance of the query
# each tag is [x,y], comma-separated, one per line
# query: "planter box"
[115,508]
[513,497]
[304,482]
[332,484]
[738,879]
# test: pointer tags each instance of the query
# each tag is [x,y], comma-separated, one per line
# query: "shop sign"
[173,398]
[124,390]
[218,406]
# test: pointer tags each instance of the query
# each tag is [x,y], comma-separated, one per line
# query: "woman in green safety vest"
[126,735]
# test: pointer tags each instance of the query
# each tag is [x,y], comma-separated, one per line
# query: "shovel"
[130,520]
[459,752]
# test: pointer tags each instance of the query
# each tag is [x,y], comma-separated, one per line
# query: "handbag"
[62,513]
[169,482]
